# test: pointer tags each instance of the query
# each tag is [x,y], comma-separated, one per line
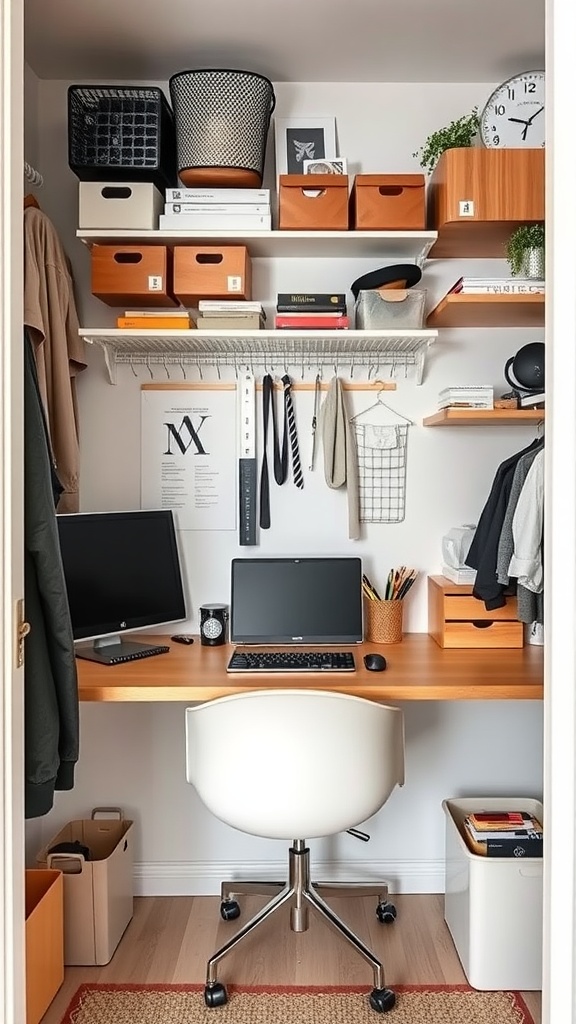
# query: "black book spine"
[514,848]
[316,302]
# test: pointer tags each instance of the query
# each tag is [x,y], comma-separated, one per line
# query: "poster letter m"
[185,435]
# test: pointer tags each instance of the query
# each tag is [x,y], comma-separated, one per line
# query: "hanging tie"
[264,478]
[290,420]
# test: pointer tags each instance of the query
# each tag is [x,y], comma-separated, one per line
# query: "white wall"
[133,754]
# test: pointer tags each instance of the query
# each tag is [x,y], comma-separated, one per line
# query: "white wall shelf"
[407,245]
[374,349]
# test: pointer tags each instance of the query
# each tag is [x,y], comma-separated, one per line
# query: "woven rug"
[184,1004]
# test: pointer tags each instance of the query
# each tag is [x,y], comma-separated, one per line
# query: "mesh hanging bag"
[222,120]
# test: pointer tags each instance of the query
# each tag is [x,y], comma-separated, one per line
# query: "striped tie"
[291,421]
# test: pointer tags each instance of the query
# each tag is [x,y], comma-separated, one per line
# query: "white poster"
[189,455]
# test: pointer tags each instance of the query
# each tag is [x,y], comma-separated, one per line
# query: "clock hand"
[535,115]
[518,120]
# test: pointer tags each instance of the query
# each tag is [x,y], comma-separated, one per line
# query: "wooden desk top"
[417,670]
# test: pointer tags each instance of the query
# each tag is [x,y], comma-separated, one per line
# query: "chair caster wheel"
[382,999]
[216,995]
[386,913]
[229,910]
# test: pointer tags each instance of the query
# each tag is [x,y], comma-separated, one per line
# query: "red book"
[283,321]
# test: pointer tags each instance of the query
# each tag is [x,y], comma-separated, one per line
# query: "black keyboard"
[296,661]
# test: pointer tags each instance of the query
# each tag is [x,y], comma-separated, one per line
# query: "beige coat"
[50,314]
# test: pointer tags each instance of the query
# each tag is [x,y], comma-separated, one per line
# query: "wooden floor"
[170,938]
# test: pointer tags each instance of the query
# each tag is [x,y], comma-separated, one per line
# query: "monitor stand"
[110,650]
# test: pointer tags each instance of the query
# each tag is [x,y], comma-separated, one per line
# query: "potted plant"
[525,251]
[458,134]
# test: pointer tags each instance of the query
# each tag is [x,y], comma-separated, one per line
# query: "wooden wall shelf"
[482,417]
[488,310]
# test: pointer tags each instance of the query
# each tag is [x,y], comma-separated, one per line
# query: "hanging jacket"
[51,714]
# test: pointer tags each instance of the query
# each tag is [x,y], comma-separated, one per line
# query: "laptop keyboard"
[292,661]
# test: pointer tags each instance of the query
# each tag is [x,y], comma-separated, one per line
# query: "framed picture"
[303,138]
[337,166]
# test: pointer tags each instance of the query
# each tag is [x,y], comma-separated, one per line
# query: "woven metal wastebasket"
[222,121]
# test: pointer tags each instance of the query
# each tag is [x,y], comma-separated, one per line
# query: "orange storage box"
[126,274]
[313,202]
[388,202]
[44,894]
[212,272]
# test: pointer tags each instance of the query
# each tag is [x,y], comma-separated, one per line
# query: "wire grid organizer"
[268,349]
[382,450]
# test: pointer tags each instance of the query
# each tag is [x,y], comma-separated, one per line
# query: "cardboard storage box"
[127,274]
[98,893]
[493,905]
[44,940]
[457,619]
[212,272]
[388,202]
[111,204]
[313,202]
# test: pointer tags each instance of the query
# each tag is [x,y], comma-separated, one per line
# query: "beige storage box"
[124,275]
[212,272]
[98,893]
[493,905]
[457,619]
[110,205]
[44,940]
[388,202]
[313,202]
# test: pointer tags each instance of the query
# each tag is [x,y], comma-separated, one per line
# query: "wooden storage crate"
[477,197]
[388,202]
[457,619]
[127,274]
[313,202]
[212,272]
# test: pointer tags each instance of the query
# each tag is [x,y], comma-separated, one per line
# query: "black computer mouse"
[375,662]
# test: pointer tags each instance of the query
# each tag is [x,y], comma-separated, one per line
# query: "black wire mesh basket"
[121,134]
[222,121]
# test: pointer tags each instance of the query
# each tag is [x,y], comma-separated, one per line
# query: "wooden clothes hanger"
[31,200]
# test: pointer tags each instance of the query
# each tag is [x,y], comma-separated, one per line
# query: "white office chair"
[295,763]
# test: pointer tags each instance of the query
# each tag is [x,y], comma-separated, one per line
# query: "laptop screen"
[296,601]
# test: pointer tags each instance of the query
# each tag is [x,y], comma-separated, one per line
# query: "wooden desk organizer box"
[457,619]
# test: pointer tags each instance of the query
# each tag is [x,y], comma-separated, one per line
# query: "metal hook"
[183,369]
[149,367]
[133,370]
[167,370]
[199,369]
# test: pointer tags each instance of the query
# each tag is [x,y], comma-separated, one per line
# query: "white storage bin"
[493,905]
[119,204]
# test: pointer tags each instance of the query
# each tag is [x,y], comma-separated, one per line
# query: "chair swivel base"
[301,893]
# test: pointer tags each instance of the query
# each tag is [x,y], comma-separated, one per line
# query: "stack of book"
[497,286]
[155,320]
[230,315]
[469,396]
[504,834]
[307,311]
[228,209]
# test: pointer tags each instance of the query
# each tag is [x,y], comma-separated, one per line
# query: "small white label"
[466,207]
[234,284]
[154,283]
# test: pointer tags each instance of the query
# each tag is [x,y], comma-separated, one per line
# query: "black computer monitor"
[296,601]
[122,573]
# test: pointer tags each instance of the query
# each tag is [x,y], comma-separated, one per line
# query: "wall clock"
[513,117]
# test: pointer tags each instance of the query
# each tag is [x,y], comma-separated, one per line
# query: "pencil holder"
[383,621]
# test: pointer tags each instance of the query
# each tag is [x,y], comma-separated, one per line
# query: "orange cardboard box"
[388,202]
[124,274]
[44,940]
[212,272]
[313,202]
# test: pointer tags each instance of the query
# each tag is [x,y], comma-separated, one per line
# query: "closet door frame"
[12,904]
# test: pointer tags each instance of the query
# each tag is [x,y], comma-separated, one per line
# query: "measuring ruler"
[247,470]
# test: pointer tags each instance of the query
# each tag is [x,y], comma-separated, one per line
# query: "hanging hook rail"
[264,348]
